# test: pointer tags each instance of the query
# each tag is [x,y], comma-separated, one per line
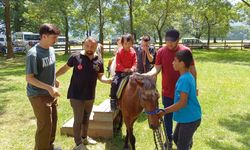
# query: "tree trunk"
[66,35]
[208,35]
[17,15]
[215,40]
[248,4]
[130,5]
[160,37]
[101,23]
[208,32]
[10,53]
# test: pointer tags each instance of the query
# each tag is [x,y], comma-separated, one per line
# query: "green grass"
[224,94]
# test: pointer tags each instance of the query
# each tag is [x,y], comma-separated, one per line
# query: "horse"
[139,93]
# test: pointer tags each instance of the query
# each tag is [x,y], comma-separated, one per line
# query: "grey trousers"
[183,134]
[82,110]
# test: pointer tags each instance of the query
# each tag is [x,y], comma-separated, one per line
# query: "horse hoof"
[126,148]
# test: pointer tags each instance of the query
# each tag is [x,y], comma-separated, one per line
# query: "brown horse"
[140,93]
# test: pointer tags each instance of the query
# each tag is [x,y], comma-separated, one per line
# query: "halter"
[154,112]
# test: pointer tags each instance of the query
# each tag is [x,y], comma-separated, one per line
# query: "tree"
[244,12]
[159,14]
[130,6]
[217,15]
[54,11]
[6,4]
[83,18]
[248,4]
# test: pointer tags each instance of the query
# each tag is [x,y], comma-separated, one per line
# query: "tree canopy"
[105,19]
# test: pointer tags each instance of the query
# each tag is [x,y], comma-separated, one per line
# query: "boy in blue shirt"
[186,108]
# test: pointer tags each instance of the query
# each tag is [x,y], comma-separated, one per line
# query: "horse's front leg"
[126,144]
[129,139]
[132,139]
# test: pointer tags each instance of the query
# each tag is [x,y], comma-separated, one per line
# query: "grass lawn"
[224,94]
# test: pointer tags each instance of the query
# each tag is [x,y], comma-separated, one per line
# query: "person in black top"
[145,55]
[87,68]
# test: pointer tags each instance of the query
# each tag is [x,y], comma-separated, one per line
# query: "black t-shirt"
[85,73]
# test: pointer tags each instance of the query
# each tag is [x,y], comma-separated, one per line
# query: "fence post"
[241,44]
[69,48]
[109,46]
[225,44]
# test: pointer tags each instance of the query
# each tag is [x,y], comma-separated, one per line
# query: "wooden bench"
[100,122]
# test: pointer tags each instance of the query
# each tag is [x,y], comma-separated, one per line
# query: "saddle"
[122,85]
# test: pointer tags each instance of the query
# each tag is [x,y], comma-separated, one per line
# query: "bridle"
[158,134]
[154,112]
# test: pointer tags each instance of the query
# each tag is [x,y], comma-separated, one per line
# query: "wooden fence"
[109,47]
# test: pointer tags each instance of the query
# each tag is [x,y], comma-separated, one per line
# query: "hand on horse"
[161,113]
[57,83]
[128,70]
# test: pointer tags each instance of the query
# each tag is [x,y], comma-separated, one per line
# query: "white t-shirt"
[99,51]
[112,67]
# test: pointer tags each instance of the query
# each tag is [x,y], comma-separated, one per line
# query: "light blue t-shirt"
[192,111]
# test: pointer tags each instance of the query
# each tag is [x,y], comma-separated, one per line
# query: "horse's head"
[148,95]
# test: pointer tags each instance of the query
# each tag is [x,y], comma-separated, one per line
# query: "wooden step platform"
[100,122]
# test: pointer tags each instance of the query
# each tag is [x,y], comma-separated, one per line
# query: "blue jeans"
[168,118]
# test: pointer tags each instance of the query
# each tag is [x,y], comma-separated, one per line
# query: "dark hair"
[128,37]
[118,39]
[48,29]
[172,35]
[185,56]
[146,38]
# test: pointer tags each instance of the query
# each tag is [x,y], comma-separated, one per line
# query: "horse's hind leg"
[120,120]
[117,124]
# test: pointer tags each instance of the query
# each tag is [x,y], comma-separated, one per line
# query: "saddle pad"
[121,86]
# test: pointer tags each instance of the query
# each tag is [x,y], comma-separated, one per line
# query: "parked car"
[246,45]
[75,42]
[193,43]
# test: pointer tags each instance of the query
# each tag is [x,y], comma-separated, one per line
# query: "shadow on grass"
[3,103]
[236,57]
[115,143]
[17,72]
[236,123]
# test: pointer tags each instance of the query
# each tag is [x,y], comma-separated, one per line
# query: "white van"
[61,42]
[3,40]
[193,43]
[3,43]
[23,41]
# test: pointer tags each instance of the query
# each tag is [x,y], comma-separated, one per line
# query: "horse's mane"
[148,81]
